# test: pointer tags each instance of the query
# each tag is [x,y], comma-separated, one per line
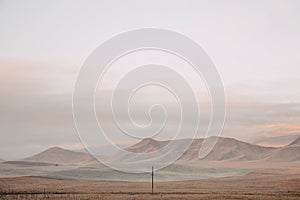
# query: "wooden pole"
[152,179]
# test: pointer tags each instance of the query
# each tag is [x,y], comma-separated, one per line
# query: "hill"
[225,149]
[288,153]
[146,145]
[295,143]
[232,149]
[58,155]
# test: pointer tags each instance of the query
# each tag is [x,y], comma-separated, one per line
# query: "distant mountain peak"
[56,149]
[59,155]
[147,140]
[146,145]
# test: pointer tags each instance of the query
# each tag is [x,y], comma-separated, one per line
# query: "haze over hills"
[60,156]
[230,149]
[226,149]
[229,157]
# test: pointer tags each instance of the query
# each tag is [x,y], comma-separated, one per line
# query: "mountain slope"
[288,153]
[225,149]
[295,143]
[146,145]
[58,155]
[232,149]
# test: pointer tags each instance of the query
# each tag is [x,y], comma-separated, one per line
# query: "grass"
[269,187]
[141,196]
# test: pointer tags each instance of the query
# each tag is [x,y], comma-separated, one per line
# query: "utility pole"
[152,179]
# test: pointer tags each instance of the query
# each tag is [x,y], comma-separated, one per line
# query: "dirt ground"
[259,185]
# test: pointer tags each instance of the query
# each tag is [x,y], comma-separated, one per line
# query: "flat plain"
[256,185]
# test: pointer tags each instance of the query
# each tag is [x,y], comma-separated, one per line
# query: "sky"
[254,45]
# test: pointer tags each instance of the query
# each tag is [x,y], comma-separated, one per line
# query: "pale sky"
[255,46]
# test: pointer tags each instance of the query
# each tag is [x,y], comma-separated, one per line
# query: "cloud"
[36,111]
[35,107]
[252,120]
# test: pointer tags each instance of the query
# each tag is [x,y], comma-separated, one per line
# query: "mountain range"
[226,149]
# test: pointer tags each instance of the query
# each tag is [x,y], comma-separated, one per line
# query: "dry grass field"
[260,185]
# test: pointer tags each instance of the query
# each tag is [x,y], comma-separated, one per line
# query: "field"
[257,185]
